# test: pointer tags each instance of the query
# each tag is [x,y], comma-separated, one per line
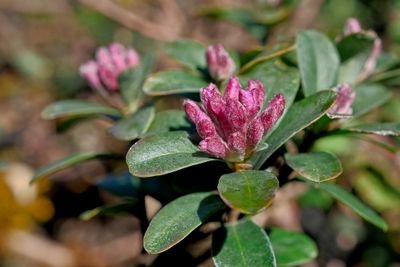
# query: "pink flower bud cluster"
[354,26]
[103,71]
[231,125]
[344,100]
[220,64]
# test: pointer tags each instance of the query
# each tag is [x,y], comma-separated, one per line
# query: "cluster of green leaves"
[165,151]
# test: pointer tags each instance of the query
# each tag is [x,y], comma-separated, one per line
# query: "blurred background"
[42,45]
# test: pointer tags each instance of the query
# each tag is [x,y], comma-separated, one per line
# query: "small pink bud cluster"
[102,72]
[344,100]
[354,26]
[230,125]
[220,64]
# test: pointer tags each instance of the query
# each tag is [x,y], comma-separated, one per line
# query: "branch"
[132,21]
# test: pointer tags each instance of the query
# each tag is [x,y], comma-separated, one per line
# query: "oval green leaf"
[242,244]
[133,126]
[248,191]
[368,97]
[173,82]
[384,128]
[354,51]
[178,219]
[315,166]
[77,108]
[354,44]
[300,115]
[188,52]
[276,79]
[292,248]
[318,61]
[131,82]
[355,204]
[68,162]
[168,120]
[162,154]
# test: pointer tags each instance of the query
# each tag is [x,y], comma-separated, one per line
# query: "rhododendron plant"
[259,115]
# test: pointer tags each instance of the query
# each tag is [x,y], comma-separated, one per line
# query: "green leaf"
[300,115]
[248,191]
[162,154]
[121,184]
[173,82]
[168,120]
[276,79]
[68,162]
[292,248]
[131,82]
[355,204]
[318,62]
[368,97]
[133,126]
[354,51]
[189,52]
[124,206]
[388,128]
[242,244]
[315,166]
[354,44]
[77,108]
[350,70]
[178,219]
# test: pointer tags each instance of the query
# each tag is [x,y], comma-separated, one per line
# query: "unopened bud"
[220,64]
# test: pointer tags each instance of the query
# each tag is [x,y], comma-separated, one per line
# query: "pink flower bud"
[102,73]
[273,112]
[220,64]
[352,26]
[344,100]
[205,126]
[230,125]
[90,71]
